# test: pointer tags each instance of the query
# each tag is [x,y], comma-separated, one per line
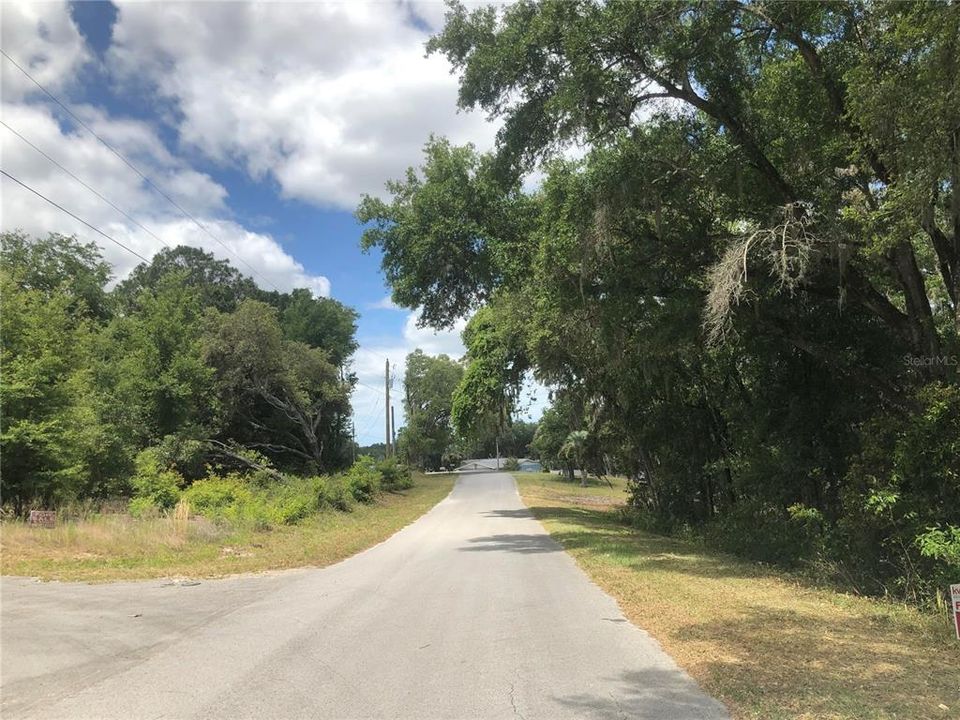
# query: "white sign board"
[955,605]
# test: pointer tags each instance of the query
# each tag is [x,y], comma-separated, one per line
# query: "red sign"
[43,518]
[955,600]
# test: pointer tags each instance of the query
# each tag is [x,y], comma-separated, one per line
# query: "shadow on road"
[539,543]
[651,693]
[522,513]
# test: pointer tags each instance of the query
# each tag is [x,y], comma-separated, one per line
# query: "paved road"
[471,612]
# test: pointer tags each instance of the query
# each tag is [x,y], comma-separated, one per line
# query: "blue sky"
[267,122]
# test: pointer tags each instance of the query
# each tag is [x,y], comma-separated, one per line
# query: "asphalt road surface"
[473,611]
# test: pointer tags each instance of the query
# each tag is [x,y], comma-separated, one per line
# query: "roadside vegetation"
[182,421]
[767,643]
[183,370]
[739,272]
[223,526]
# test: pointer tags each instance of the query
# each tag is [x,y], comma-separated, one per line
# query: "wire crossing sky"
[152,125]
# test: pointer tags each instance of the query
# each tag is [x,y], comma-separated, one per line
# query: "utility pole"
[353,439]
[393,429]
[387,407]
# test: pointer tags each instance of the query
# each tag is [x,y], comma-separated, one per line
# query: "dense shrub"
[292,501]
[511,464]
[213,496]
[259,499]
[143,507]
[154,482]
[645,519]
[184,454]
[394,475]
[363,479]
[905,483]
[232,499]
[239,500]
[333,492]
[763,532]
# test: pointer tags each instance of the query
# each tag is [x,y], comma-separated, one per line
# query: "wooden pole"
[387,452]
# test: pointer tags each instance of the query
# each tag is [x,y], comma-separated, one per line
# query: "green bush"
[643,519]
[215,496]
[511,464]
[238,500]
[292,501]
[142,508]
[256,513]
[245,500]
[897,535]
[762,532]
[333,492]
[363,480]
[155,482]
[394,475]
[184,454]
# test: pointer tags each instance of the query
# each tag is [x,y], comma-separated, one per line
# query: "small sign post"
[955,604]
[43,518]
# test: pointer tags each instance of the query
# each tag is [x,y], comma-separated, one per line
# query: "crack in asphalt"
[513,703]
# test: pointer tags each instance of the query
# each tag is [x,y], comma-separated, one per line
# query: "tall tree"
[744,282]
[217,282]
[51,288]
[429,383]
[281,396]
[320,322]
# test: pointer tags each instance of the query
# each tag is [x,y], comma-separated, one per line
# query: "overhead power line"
[75,217]
[94,191]
[372,419]
[370,387]
[133,167]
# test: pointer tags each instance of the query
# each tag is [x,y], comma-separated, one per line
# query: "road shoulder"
[765,645]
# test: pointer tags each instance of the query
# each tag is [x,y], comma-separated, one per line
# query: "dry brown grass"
[118,547]
[763,642]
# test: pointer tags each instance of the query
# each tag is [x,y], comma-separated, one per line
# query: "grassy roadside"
[762,642]
[118,547]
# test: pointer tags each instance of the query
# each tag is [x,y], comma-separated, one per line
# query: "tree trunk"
[923,330]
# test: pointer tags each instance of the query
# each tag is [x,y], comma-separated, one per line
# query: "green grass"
[119,547]
[762,641]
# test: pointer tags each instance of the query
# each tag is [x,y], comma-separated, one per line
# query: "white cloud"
[96,165]
[331,100]
[384,303]
[41,38]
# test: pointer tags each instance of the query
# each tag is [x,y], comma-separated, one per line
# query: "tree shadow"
[653,552]
[651,693]
[522,513]
[525,544]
